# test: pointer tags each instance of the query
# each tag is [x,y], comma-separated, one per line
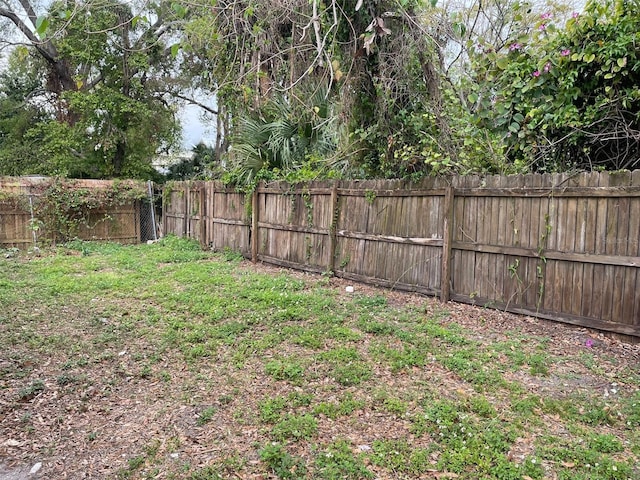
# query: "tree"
[17,115]
[198,165]
[375,62]
[104,70]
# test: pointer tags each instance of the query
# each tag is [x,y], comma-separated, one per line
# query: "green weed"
[210,472]
[328,356]
[582,462]
[340,355]
[353,373]
[281,462]
[539,364]
[295,427]
[284,370]
[450,334]
[347,405]
[205,416]
[271,409]
[336,461]
[369,302]
[374,327]
[605,443]
[398,456]
[31,390]
[406,357]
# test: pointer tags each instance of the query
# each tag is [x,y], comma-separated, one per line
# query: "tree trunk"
[119,158]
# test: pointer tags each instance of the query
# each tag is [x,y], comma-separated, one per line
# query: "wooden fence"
[561,247]
[19,197]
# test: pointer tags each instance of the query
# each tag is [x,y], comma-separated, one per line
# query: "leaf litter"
[94,389]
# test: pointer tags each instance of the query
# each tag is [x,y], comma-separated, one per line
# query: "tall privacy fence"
[561,247]
[40,210]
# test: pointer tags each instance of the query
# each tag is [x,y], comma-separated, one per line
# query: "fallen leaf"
[12,443]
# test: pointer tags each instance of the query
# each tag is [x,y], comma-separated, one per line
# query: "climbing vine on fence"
[62,207]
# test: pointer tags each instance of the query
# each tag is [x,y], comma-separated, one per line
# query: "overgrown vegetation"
[307,89]
[60,208]
[179,363]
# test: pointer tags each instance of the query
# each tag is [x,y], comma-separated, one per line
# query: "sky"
[195,129]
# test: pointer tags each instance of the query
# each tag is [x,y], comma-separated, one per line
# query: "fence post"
[447,234]
[163,218]
[333,228]
[152,206]
[211,197]
[185,223]
[254,225]
[202,212]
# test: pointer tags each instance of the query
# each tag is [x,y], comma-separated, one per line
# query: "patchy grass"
[164,361]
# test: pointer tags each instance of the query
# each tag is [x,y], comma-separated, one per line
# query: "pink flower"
[515,46]
[575,14]
[546,16]
[565,53]
[542,27]
[588,343]
[536,73]
[547,67]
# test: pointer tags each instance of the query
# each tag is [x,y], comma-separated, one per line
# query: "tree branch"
[193,101]
[28,8]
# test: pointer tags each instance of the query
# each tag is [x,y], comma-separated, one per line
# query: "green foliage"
[271,409]
[282,139]
[62,207]
[333,410]
[400,359]
[585,462]
[605,443]
[295,427]
[206,415]
[466,442]
[352,373]
[203,159]
[281,462]
[120,133]
[398,456]
[285,370]
[337,462]
[558,94]
[79,311]
[31,390]
[91,94]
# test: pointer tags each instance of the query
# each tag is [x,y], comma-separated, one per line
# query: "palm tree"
[283,135]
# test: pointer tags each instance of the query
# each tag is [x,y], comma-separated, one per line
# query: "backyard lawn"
[166,362]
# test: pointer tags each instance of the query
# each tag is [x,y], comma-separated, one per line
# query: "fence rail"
[21,227]
[561,247]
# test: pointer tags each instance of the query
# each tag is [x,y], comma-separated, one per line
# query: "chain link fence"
[149,214]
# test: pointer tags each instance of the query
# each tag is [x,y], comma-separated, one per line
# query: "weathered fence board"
[563,247]
[20,226]
[15,224]
[215,215]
